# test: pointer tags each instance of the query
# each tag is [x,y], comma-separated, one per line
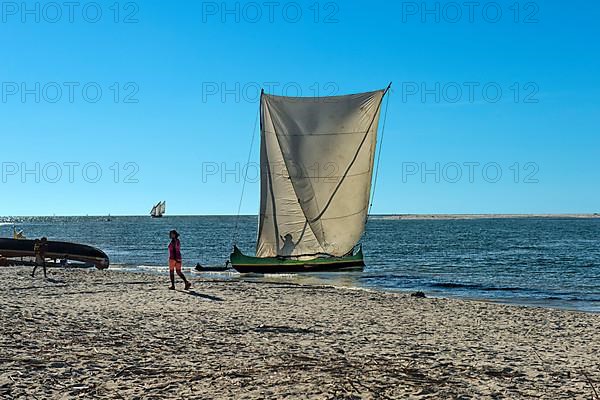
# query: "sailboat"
[317,157]
[158,210]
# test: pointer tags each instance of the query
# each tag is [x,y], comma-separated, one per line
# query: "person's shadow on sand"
[203,296]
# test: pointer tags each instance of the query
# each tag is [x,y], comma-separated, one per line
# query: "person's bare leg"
[172,275]
[45,275]
[33,272]
[182,276]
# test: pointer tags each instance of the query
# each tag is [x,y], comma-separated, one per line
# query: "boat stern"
[103,263]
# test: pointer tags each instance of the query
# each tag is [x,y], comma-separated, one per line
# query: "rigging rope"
[237,219]
[387,104]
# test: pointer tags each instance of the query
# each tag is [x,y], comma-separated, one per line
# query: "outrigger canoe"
[16,248]
[276,265]
[316,166]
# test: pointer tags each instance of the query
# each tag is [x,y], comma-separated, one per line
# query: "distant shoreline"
[11,219]
[478,216]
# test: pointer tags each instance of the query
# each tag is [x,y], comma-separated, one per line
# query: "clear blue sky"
[172,117]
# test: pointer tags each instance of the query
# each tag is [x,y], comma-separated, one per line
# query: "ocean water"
[551,262]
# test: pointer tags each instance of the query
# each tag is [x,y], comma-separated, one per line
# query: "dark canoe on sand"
[279,265]
[201,268]
[15,248]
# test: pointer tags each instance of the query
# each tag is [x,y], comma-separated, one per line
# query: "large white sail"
[316,168]
[163,207]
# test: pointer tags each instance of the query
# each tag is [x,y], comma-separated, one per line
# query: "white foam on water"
[221,273]
[125,267]
[355,288]
[280,276]
[151,266]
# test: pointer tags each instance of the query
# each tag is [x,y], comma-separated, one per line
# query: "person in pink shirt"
[175,260]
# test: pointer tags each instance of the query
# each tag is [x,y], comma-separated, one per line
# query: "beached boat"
[201,268]
[277,265]
[159,210]
[316,159]
[20,248]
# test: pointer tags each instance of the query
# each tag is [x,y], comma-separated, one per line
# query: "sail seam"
[319,133]
[325,177]
[325,219]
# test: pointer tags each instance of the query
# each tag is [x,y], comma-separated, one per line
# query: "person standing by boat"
[39,248]
[175,260]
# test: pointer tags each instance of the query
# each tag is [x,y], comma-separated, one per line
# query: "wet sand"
[111,334]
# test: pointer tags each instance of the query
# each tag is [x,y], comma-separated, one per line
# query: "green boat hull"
[278,265]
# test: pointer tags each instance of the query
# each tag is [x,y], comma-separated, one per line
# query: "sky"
[109,107]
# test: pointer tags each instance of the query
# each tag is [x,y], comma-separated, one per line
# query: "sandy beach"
[119,335]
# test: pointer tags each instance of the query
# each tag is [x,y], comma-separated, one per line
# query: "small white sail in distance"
[159,209]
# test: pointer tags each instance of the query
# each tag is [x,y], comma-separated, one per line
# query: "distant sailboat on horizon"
[159,209]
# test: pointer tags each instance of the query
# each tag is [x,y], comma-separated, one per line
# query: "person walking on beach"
[39,248]
[175,260]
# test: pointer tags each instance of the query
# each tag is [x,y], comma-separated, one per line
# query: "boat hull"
[15,248]
[277,265]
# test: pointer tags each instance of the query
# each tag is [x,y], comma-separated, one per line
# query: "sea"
[543,262]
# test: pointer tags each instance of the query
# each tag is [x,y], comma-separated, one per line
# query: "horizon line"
[591,214]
